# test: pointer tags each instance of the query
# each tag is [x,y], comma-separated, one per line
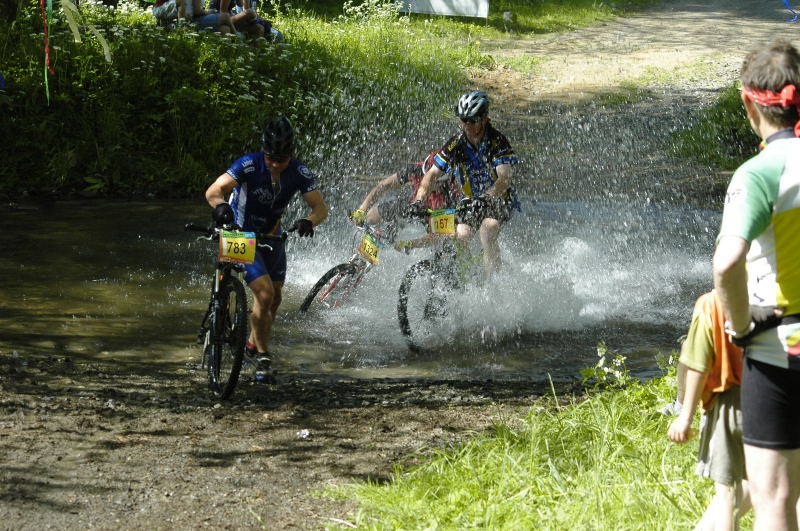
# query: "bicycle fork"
[351,285]
[211,325]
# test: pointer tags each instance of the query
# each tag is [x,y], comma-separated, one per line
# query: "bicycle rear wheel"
[227,336]
[332,288]
[422,302]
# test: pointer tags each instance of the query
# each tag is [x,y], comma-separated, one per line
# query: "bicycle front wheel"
[422,303]
[227,336]
[332,288]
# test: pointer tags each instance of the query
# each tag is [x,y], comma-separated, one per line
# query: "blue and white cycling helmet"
[474,104]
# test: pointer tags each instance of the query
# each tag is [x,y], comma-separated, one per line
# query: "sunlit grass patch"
[522,63]
[722,136]
[597,462]
[506,17]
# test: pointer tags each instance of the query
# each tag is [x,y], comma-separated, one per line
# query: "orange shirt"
[708,349]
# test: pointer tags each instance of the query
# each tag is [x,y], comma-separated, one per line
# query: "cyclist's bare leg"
[266,299]
[464,232]
[489,232]
[424,241]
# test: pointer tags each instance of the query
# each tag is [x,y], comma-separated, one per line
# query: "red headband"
[787,97]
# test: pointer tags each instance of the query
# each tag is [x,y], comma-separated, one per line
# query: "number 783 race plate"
[237,247]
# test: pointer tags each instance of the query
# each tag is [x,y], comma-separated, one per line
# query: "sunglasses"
[472,120]
[276,160]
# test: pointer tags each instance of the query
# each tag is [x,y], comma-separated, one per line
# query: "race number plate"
[369,248]
[237,247]
[443,221]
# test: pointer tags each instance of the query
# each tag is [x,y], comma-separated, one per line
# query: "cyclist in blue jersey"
[260,186]
[480,158]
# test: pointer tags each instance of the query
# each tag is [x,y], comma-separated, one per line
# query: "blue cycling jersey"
[258,204]
[474,167]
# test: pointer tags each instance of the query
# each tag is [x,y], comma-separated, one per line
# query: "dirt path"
[698,44]
[85,445]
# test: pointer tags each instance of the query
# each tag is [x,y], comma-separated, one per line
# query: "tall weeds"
[600,462]
[174,108]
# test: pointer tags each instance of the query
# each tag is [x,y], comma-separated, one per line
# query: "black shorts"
[770,406]
[500,209]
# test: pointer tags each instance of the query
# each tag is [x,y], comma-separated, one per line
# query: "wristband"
[731,332]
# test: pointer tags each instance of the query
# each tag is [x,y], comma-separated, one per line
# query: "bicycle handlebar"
[463,206]
[211,231]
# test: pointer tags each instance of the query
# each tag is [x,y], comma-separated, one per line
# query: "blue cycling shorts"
[272,263]
[207,21]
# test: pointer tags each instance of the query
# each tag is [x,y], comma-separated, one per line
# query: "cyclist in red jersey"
[374,212]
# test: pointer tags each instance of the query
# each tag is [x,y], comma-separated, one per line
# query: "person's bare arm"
[730,280]
[427,181]
[388,183]
[503,182]
[680,428]
[220,189]
[319,210]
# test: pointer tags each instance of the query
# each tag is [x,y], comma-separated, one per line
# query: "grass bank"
[136,110]
[722,136]
[601,461]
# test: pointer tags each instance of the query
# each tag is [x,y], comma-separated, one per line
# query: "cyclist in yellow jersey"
[757,276]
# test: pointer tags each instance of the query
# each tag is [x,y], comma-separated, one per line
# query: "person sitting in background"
[169,12]
[243,17]
[710,372]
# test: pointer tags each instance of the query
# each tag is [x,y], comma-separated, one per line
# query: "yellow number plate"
[237,247]
[443,221]
[369,249]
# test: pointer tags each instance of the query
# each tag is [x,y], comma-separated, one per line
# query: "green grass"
[722,136]
[599,462]
[174,108]
[527,16]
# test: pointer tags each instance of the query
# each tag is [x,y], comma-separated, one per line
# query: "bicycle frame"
[222,271]
[224,327]
[357,266]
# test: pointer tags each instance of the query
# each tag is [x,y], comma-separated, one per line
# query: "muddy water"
[612,245]
[122,281]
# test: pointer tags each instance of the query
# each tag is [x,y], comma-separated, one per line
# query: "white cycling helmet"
[473,104]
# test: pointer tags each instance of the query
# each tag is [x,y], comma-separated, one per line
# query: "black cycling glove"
[223,214]
[764,318]
[417,209]
[303,227]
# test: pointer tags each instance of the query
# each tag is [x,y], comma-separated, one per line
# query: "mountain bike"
[424,290]
[224,328]
[339,282]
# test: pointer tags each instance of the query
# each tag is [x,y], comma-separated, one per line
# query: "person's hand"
[487,201]
[417,209]
[303,227]
[680,431]
[763,318]
[359,217]
[403,246]
[464,203]
[222,214]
